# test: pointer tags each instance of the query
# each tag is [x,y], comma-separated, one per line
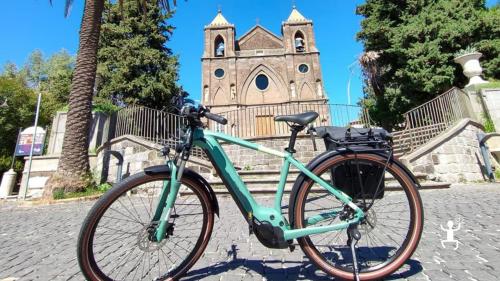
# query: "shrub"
[58,194]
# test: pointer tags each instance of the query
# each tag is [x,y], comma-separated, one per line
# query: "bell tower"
[302,58]
[218,62]
[298,33]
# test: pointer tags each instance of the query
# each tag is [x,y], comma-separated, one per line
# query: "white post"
[32,146]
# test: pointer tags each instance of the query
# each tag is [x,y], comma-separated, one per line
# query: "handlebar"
[194,113]
[214,117]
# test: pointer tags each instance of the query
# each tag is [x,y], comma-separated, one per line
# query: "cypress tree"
[135,66]
[415,43]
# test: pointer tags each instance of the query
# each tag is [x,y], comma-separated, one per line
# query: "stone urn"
[472,68]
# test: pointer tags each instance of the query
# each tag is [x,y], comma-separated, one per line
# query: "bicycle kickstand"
[353,237]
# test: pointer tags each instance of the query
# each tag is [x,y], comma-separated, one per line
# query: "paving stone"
[39,242]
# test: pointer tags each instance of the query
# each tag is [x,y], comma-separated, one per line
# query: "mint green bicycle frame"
[209,142]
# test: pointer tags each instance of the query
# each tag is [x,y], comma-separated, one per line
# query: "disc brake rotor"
[144,242]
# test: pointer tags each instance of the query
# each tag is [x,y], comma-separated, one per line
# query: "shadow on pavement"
[272,269]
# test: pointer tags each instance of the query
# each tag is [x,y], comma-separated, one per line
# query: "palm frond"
[67,7]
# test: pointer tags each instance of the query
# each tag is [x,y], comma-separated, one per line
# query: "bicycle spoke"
[122,248]
[379,239]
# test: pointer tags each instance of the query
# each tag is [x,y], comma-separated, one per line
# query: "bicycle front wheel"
[115,240]
[394,219]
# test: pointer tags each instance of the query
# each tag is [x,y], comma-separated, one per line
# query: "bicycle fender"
[164,169]
[322,157]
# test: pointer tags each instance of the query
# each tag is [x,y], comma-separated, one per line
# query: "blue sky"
[34,24]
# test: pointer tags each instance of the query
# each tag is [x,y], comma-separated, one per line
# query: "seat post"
[295,131]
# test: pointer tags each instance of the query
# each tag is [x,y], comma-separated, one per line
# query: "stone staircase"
[266,181]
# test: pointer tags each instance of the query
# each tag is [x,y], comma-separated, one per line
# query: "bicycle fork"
[167,199]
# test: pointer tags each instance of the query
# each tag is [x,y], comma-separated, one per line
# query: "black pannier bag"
[345,176]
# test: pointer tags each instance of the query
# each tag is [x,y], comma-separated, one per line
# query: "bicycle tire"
[93,270]
[402,254]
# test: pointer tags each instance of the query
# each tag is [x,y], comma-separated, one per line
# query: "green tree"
[59,70]
[34,70]
[414,43]
[490,43]
[74,163]
[20,88]
[10,70]
[50,76]
[135,66]
[18,113]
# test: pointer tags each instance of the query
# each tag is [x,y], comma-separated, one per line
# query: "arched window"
[220,47]
[299,42]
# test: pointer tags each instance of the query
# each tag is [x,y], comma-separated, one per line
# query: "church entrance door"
[265,125]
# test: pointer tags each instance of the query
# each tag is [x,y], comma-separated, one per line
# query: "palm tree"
[73,167]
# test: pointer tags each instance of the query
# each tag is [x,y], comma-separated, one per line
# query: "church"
[261,68]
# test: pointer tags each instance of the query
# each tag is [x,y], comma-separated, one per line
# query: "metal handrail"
[430,119]
[166,128]
[258,121]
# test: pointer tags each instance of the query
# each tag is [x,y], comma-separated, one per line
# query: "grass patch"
[489,126]
[497,174]
[490,85]
[89,191]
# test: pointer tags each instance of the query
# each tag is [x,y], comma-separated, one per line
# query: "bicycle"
[157,223]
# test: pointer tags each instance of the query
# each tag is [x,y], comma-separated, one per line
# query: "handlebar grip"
[217,118]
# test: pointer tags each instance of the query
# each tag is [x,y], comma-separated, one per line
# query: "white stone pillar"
[8,182]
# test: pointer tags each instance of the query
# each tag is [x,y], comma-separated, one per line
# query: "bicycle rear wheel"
[389,234]
[115,243]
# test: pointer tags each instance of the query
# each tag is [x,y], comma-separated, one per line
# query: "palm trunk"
[74,161]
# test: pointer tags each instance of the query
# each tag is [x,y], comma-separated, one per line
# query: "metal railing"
[166,128]
[430,119]
[153,125]
[258,121]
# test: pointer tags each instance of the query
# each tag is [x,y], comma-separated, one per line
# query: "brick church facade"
[261,68]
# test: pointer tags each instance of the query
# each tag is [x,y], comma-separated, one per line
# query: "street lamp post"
[351,73]
[34,138]
[32,145]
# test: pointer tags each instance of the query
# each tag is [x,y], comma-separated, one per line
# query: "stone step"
[254,189]
[274,175]
[271,184]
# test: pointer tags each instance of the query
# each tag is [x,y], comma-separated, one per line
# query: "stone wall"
[452,157]
[41,169]
[492,103]
[99,132]
[254,160]
[138,154]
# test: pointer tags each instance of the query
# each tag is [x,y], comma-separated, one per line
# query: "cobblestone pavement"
[39,243]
